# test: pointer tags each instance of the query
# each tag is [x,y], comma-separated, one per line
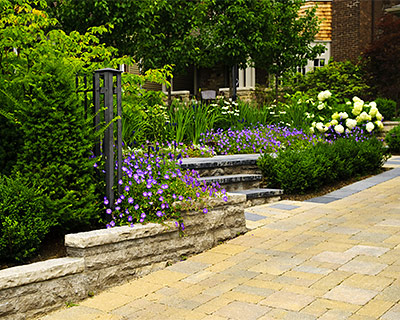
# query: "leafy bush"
[393,140]
[302,170]
[25,218]
[387,107]
[344,79]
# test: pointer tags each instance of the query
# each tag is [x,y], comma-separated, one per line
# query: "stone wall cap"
[116,234]
[40,271]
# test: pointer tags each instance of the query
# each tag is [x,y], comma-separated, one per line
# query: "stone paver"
[336,259]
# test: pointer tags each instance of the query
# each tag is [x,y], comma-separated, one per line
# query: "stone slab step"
[255,197]
[235,181]
[223,165]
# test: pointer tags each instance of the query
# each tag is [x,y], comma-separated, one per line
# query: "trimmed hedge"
[300,171]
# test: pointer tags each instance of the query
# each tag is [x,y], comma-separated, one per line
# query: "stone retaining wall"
[103,258]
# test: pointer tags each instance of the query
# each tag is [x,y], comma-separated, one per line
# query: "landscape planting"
[51,183]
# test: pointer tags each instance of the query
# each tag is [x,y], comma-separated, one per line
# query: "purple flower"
[205,210]
[127,188]
[159,214]
[136,207]
[120,182]
[130,200]
[130,218]
[161,199]
[108,211]
[180,198]
[106,202]
[166,177]
[112,223]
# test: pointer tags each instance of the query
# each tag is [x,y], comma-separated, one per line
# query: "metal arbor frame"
[103,84]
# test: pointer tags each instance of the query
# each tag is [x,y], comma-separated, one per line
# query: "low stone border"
[103,258]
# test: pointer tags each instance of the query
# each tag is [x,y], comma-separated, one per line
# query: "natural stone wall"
[102,258]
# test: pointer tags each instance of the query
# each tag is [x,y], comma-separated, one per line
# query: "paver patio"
[300,260]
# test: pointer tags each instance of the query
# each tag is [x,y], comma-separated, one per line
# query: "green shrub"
[300,171]
[25,218]
[393,140]
[387,107]
[344,79]
[57,144]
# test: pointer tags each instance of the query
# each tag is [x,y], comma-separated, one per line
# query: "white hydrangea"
[335,116]
[323,95]
[363,117]
[334,122]
[358,106]
[339,129]
[351,123]
[373,111]
[379,116]
[379,124]
[373,104]
[320,127]
[370,126]
[343,115]
[321,106]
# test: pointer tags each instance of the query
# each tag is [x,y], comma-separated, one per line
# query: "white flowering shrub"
[344,117]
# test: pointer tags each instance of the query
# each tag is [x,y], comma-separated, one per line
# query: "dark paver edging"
[356,187]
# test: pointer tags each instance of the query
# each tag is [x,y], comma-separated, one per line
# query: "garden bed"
[103,258]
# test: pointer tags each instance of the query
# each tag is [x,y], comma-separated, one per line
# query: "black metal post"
[235,82]
[108,90]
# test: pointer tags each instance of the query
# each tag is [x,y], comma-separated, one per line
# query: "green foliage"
[295,112]
[393,140]
[343,79]
[302,170]
[25,218]
[56,147]
[291,36]
[387,107]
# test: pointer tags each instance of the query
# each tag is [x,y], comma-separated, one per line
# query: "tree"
[382,59]
[291,36]
[268,34]
[155,33]
[232,31]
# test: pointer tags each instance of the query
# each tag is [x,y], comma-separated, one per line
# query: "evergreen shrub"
[393,140]
[387,107]
[25,218]
[57,145]
[300,171]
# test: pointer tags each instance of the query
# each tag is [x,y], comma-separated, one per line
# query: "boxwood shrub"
[300,171]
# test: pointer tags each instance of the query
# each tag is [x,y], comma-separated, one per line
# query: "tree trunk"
[169,90]
[276,86]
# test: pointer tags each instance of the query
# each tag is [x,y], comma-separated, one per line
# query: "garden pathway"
[332,258]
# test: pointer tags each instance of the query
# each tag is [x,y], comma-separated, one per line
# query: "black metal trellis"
[103,85]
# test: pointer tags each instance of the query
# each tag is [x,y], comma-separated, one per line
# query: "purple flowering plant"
[257,138]
[156,189]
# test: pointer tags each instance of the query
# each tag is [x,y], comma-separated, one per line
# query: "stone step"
[255,197]
[223,165]
[235,181]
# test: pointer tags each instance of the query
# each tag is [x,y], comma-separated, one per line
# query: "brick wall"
[345,29]
[354,26]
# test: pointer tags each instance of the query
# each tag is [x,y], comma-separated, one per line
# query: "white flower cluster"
[230,107]
[365,113]
[324,95]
